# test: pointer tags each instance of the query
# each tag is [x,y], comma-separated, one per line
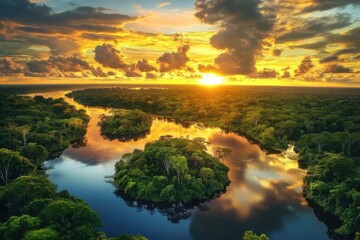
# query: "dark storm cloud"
[62,66]
[144,66]
[244,24]
[7,66]
[350,39]
[336,68]
[316,27]
[69,64]
[37,24]
[336,55]
[40,66]
[305,66]
[108,56]
[41,18]
[321,5]
[327,59]
[174,60]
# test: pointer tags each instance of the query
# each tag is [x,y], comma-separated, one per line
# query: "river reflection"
[265,193]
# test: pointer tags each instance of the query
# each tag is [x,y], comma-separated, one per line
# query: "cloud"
[98,72]
[7,66]
[37,24]
[163,4]
[244,24]
[40,67]
[266,73]
[174,60]
[277,52]
[69,64]
[61,66]
[151,75]
[132,72]
[336,68]
[315,27]
[305,66]
[144,66]
[322,5]
[286,74]
[108,56]
[41,18]
[349,39]
[338,53]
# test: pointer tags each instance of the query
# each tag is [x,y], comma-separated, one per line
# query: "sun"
[211,79]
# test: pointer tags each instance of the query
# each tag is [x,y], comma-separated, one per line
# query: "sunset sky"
[269,42]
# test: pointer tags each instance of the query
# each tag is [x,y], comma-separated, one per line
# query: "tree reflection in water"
[174,212]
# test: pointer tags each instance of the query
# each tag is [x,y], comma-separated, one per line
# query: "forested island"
[324,124]
[32,131]
[125,124]
[171,170]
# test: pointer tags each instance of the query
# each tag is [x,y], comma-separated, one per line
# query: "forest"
[125,125]
[171,170]
[34,130]
[323,123]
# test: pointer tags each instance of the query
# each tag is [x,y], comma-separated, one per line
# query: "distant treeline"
[323,123]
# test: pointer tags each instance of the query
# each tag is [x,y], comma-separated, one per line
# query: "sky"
[250,42]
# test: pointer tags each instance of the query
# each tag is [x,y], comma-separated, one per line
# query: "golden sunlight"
[211,79]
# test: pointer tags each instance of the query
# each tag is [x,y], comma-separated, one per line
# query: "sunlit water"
[265,193]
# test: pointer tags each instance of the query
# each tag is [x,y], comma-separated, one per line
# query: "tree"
[16,226]
[253,117]
[12,165]
[42,234]
[206,173]
[23,190]
[179,164]
[250,235]
[70,213]
[36,153]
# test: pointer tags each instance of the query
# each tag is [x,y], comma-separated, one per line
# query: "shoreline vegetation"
[32,131]
[171,170]
[324,124]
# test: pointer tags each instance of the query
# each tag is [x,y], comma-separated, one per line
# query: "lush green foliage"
[33,209]
[38,127]
[125,124]
[170,171]
[324,124]
[250,235]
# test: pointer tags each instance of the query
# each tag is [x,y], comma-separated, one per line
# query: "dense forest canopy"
[33,130]
[171,170]
[324,124]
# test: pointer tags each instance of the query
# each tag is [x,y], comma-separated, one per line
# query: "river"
[265,193]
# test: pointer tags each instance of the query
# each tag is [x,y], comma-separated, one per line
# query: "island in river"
[171,170]
[125,124]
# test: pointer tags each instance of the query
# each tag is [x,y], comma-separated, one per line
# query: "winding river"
[265,194]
